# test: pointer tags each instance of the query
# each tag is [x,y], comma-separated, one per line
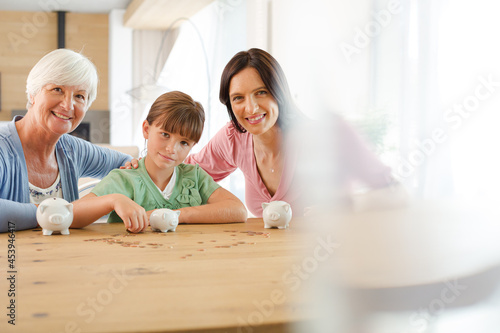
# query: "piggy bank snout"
[275,216]
[56,219]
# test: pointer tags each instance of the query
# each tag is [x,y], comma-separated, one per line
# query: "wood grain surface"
[243,278]
[201,278]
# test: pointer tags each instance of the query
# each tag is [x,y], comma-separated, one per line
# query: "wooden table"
[201,278]
[244,278]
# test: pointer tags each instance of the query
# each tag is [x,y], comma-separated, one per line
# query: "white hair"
[63,67]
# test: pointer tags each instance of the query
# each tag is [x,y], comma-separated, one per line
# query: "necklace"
[273,168]
[277,157]
[263,157]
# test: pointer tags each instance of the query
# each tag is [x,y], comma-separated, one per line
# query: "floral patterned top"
[193,187]
[37,194]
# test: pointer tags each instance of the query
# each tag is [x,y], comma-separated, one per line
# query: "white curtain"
[469,79]
[420,75]
[438,71]
[424,162]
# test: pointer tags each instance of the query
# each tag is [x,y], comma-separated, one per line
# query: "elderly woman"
[38,159]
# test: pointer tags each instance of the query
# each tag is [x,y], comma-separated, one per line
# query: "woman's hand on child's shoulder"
[133,164]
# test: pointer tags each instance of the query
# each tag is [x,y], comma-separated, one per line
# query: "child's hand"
[133,215]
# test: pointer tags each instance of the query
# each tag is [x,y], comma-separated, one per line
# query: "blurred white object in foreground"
[407,269]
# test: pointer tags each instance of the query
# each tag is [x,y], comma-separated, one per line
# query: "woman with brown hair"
[264,123]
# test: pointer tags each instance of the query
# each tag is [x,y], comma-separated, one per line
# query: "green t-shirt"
[193,187]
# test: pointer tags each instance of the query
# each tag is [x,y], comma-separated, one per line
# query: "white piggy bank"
[276,214]
[54,214]
[164,219]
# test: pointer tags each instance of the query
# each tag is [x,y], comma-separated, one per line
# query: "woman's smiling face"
[58,108]
[252,103]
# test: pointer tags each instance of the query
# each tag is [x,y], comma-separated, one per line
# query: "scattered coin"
[40,315]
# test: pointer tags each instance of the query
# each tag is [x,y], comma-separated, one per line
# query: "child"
[173,126]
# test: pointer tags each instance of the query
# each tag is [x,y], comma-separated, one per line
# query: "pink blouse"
[230,149]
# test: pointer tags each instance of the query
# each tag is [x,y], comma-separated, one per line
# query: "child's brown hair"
[176,112]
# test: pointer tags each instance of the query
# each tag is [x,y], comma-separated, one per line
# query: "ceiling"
[140,14]
[160,14]
[75,6]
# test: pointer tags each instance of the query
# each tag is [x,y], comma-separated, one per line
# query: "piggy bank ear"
[42,208]
[178,212]
[264,205]
[164,216]
[69,207]
[287,207]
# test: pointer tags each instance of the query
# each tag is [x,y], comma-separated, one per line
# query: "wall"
[120,79]
[27,36]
